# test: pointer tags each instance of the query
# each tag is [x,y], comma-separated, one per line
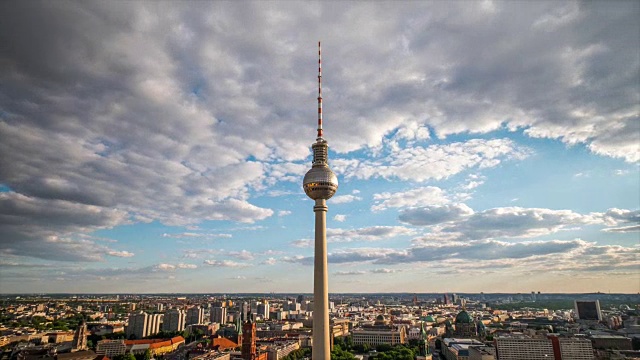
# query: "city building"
[249,350]
[381,332]
[174,320]
[588,310]
[219,315]
[482,353]
[458,349]
[138,325]
[617,342]
[320,184]
[465,327]
[195,315]
[543,348]
[155,321]
[80,338]
[111,348]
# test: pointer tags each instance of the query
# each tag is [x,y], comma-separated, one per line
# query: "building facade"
[219,315]
[195,315]
[111,348]
[174,320]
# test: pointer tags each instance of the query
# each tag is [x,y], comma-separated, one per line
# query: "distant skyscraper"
[320,184]
[219,315]
[174,320]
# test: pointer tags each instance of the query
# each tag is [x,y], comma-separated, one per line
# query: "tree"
[147,355]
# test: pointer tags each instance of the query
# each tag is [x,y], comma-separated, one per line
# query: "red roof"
[223,343]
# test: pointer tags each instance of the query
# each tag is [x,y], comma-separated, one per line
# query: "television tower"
[320,183]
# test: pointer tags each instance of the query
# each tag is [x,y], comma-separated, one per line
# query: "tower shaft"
[321,345]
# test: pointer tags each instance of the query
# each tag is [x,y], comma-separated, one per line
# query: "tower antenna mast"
[319,90]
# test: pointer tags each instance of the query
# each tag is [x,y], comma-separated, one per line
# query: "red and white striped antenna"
[319,90]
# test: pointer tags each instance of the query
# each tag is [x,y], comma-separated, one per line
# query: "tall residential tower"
[320,183]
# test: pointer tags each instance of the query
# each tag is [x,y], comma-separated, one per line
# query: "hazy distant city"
[363,326]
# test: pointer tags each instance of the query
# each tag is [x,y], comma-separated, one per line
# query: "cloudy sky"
[160,146]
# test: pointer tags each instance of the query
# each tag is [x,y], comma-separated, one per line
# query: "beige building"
[482,353]
[111,348]
[379,333]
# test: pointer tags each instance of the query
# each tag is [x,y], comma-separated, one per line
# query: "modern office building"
[588,310]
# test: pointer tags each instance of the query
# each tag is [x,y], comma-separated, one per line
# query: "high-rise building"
[174,320]
[588,310]
[137,326]
[80,338]
[320,184]
[263,310]
[195,315]
[155,322]
[219,315]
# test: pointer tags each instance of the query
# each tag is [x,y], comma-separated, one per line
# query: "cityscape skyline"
[159,147]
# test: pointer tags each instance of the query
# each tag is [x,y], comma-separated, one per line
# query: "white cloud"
[242,255]
[435,162]
[372,233]
[303,243]
[123,253]
[349,273]
[188,235]
[270,261]
[415,197]
[225,263]
[186,266]
[431,215]
[284,212]
[344,199]
[340,217]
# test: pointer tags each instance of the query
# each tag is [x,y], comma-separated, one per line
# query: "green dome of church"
[463,317]
[428,318]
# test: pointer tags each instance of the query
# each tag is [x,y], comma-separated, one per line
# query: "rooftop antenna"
[319,90]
